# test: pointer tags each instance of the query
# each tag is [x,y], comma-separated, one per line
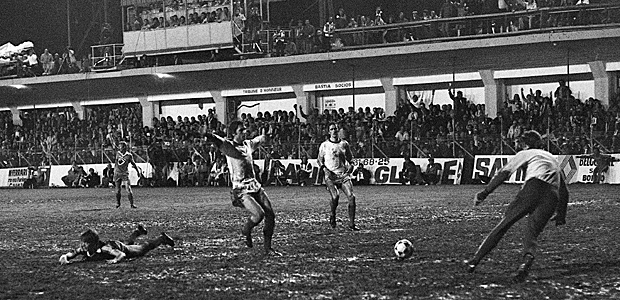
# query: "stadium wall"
[383,171]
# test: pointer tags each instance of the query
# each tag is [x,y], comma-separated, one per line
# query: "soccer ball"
[403,249]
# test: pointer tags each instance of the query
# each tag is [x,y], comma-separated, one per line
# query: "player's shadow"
[92,209]
[575,269]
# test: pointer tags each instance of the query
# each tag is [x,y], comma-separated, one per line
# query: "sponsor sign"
[382,170]
[258,91]
[16,177]
[576,168]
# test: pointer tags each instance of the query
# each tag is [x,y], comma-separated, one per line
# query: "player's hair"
[89,236]
[532,139]
[232,127]
[332,123]
[122,143]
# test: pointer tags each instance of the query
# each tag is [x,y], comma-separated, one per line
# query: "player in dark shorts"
[336,160]
[543,194]
[121,173]
[93,249]
[247,192]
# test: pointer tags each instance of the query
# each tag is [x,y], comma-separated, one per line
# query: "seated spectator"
[80,180]
[92,179]
[360,175]
[72,175]
[277,173]
[304,172]
[410,173]
[32,181]
[107,176]
[433,172]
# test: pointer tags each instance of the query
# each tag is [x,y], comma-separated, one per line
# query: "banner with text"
[382,170]
[577,168]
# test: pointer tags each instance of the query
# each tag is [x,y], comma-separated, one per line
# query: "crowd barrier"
[577,169]
[383,171]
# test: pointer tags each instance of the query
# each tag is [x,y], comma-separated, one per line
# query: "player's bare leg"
[347,188]
[142,249]
[257,215]
[118,193]
[335,196]
[129,193]
[135,234]
[270,224]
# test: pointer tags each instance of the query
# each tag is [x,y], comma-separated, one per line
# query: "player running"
[121,173]
[246,190]
[336,160]
[543,194]
[93,249]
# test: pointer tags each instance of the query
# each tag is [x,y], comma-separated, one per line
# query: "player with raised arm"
[121,173]
[336,160]
[543,193]
[93,249]
[247,192]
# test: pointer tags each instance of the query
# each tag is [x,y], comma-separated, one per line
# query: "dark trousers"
[538,200]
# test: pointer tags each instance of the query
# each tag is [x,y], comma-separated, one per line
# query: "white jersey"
[335,156]
[538,164]
[240,161]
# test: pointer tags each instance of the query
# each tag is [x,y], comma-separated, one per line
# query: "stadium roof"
[459,56]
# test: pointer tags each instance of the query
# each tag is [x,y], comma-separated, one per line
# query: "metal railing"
[446,146]
[518,22]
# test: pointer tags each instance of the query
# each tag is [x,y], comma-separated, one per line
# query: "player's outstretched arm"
[66,258]
[223,145]
[118,255]
[496,181]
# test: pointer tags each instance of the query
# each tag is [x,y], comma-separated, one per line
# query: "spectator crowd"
[461,129]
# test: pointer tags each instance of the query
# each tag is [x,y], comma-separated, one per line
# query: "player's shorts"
[121,177]
[249,187]
[337,180]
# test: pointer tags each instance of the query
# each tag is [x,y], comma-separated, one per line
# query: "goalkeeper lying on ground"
[93,249]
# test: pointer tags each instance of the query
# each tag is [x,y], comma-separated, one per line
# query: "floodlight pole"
[68,24]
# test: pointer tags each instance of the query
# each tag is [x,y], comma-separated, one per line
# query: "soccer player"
[335,159]
[93,249]
[247,192]
[121,173]
[543,194]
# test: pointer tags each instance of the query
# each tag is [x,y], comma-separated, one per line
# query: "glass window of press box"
[161,14]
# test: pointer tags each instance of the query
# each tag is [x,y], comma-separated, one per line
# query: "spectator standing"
[342,20]
[238,29]
[47,59]
[279,42]
[308,32]
[328,33]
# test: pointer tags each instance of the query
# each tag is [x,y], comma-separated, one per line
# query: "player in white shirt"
[543,193]
[247,192]
[335,158]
